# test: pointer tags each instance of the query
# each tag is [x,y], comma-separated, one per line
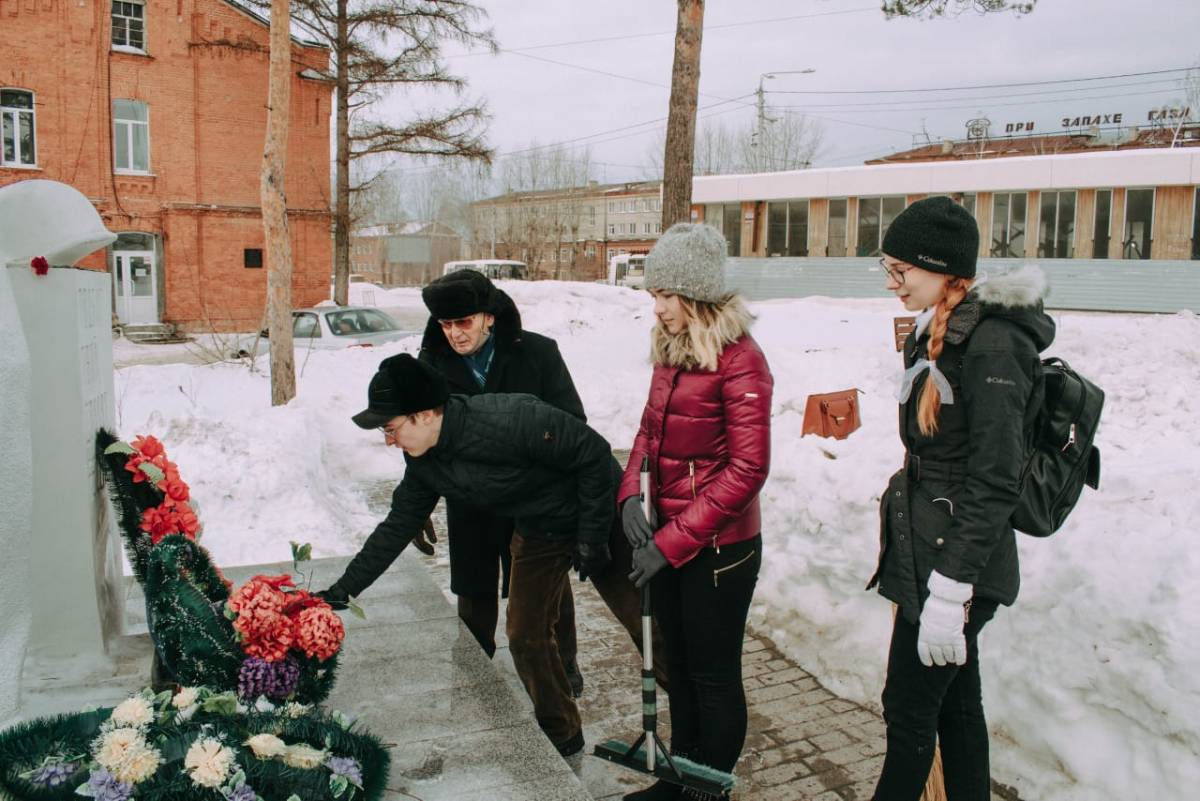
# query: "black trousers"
[923,706]
[701,610]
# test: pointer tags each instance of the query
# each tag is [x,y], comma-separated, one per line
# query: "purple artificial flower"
[285,677]
[254,678]
[52,774]
[103,786]
[273,679]
[345,766]
[243,793]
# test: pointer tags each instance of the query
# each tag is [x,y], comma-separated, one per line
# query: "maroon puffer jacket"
[708,435]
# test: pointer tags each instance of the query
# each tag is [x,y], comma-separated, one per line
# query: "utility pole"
[761,102]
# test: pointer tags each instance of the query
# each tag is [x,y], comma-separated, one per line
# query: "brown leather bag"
[834,414]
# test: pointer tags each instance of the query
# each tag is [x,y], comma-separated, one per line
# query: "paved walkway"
[805,743]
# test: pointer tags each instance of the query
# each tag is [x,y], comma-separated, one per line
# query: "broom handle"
[649,698]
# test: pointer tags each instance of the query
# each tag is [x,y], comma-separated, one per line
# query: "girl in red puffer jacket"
[706,429]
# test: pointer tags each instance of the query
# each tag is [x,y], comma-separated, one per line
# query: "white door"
[135,286]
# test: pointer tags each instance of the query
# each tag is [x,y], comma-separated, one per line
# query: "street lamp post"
[762,101]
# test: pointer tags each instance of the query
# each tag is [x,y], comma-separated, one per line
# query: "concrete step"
[151,333]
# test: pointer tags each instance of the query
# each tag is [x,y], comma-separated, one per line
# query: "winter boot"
[574,678]
[572,746]
[659,791]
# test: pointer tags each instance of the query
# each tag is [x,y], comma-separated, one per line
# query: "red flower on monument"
[148,446]
[40,265]
[319,632]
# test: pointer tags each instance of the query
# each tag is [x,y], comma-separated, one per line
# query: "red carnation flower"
[148,446]
[40,265]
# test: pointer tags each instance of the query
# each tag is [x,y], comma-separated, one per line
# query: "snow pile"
[1090,682]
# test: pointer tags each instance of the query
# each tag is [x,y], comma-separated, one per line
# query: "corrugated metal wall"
[1085,284]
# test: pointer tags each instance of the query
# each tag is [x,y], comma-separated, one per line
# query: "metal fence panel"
[1081,284]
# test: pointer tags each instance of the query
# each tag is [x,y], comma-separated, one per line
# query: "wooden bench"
[901,328]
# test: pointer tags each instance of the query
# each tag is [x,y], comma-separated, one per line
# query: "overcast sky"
[558,94]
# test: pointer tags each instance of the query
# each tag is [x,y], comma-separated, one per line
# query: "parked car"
[335,327]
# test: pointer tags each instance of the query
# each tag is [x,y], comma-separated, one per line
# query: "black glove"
[589,559]
[336,597]
[647,561]
[425,540]
[638,530]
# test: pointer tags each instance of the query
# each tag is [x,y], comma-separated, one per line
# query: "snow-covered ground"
[1092,681]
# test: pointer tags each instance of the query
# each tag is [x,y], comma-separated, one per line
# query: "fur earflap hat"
[459,294]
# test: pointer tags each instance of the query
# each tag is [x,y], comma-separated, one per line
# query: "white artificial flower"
[114,746]
[263,705]
[208,762]
[266,746]
[140,764]
[136,711]
[186,697]
[296,710]
[303,756]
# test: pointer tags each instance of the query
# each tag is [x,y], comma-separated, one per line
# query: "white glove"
[940,638]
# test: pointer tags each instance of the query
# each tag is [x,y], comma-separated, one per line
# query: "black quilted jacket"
[513,455]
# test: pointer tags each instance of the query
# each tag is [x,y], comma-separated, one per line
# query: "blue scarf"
[481,360]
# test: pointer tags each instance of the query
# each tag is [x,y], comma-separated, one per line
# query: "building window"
[787,228]
[591,215]
[875,215]
[1139,220]
[726,218]
[1103,224]
[611,207]
[1056,233]
[129,25]
[591,251]
[837,227]
[966,200]
[16,122]
[645,228]
[658,228]
[1008,225]
[612,229]
[131,136]
[252,258]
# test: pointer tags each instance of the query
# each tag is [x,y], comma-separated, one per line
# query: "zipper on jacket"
[717,573]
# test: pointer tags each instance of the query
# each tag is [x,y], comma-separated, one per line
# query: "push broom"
[643,755]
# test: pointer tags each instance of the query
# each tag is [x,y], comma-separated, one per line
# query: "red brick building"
[156,111]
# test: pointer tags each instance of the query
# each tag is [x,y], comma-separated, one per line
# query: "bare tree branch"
[941,8]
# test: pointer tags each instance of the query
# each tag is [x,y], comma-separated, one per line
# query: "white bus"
[492,268]
[627,269]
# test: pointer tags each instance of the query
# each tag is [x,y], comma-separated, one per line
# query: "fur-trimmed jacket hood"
[1013,294]
[701,344]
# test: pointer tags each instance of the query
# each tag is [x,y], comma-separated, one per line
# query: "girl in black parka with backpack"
[969,397]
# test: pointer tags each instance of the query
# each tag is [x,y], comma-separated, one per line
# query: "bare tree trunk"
[274,209]
[681,119]
[341,212]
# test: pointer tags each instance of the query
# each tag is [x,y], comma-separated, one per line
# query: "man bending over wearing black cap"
[517,457]
[475,340]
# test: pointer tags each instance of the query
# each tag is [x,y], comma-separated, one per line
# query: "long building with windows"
[156,111]
[1115,204]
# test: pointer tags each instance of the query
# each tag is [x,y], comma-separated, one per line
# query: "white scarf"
[935,375]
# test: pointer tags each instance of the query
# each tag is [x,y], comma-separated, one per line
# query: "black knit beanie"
[459,294]
[402,386]
[935,234]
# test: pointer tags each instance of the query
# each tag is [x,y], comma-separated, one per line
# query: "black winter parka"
[953,516]
[512,455]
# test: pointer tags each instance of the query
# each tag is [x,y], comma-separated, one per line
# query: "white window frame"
[113,16]
[128,133]
[1125,217]
[1058,193]
[14,114]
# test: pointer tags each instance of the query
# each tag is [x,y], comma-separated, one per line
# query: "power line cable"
[649,34]
[976,105]
[878,103]
[976,86]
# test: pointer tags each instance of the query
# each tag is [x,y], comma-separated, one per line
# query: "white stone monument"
[60,566]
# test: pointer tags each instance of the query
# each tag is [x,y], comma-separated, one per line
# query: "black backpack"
[1063,457]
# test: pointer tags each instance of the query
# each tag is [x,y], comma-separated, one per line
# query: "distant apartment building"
[156,111]
[569,233]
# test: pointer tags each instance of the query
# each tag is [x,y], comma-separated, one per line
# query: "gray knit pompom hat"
[689,260]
